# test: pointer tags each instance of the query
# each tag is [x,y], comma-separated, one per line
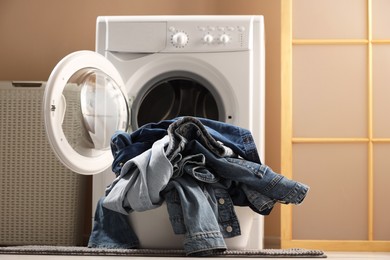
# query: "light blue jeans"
[111,229]
[140,181]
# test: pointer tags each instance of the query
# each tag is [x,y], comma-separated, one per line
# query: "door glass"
[94,107]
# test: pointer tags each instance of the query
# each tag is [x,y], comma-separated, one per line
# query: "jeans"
[111,230]
[140,181]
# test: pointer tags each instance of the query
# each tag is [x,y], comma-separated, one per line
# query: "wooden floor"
[331,255]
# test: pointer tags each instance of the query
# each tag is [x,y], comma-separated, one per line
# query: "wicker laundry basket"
[41,201]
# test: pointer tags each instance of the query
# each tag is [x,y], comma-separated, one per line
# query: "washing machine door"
[84,104]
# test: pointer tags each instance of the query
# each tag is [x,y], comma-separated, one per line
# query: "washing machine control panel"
[207,36]
[178,34]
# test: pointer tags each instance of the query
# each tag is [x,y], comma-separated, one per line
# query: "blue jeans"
[141,180]
[111,230]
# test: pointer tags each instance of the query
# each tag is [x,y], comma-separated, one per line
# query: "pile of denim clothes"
[191,164]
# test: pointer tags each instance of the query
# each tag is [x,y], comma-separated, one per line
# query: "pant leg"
[111,230]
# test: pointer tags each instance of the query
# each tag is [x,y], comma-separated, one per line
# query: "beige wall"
[35,35]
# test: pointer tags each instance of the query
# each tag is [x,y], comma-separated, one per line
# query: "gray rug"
[85,251]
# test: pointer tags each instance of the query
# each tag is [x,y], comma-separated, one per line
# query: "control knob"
[208,38]
[180,39]
[224,38]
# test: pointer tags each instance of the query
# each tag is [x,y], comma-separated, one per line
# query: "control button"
[220,28]
[211,28]
[230,28]
[221,201]
[202,28]
[241,28]
[224,38]
[180,39]
[172,29]
[208,38]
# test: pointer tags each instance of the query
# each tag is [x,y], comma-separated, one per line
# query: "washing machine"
[151,68]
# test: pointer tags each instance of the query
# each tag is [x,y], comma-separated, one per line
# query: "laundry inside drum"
[177,97]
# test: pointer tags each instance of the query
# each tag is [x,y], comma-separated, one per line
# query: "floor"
[331,255]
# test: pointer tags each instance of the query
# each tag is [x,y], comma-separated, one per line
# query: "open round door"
[84,104]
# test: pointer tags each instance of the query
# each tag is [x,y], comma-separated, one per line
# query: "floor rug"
[85,251]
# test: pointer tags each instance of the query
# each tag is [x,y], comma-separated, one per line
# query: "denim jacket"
[189,136]
[125,146]
[243,181]
[191,213]
[190,139]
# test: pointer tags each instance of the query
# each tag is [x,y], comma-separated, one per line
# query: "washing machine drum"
[171,95]
[84,104]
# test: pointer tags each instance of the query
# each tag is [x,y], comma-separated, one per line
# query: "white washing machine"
[147,69]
